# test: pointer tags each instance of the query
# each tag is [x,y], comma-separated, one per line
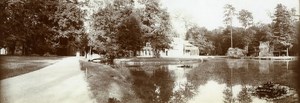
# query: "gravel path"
[62,82]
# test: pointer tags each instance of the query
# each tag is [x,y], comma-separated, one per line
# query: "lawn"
[11,66]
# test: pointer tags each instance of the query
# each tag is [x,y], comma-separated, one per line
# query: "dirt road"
[62,82]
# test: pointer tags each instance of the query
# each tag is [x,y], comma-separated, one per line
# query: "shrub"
[34,55]
[48,54]
[235,52]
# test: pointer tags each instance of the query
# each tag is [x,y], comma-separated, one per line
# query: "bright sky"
[209,13]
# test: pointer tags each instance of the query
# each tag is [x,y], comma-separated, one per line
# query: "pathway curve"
[62,82]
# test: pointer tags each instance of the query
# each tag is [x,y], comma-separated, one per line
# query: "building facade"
[179,48]
[3,51]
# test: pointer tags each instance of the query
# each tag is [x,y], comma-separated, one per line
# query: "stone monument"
[264,49]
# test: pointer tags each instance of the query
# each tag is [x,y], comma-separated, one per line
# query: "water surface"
[217,81]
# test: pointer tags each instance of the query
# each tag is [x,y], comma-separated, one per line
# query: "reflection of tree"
[208,71]
[254,72]
[264,66]
[228,96]
[143,87]
[163,80]
[238,75]
[235,63]
[246,72]
[184,94]
[153,88]
[244,96]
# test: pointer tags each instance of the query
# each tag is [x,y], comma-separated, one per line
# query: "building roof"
[189,46]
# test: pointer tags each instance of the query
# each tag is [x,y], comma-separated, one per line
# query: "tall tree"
[237,37]
[90,7]
[197,36]
[294,36]
[111,26]
[245,17]
[282,29]
[4,18]
[37,26]
[259,33]
[155,25]
[229,13]
[129,36]
[69,20]
[216,38]
[27,24]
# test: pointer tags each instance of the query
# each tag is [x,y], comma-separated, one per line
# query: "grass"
[103,80]
[11,66]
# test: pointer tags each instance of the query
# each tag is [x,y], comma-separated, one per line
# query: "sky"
[209,13]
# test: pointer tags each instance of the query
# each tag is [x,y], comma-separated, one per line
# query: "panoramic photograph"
[149,51]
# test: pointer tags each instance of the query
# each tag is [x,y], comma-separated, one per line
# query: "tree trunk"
[12,50]
[90,50]
[156,53]
[279,52]
[89,54]
[231,45]
[24,50]
[85,56]
[134,53]
[287,51]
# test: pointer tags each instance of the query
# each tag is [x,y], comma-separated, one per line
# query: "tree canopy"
[118,28]
[245,17]
[283,28]
[155,25]
[197,36]
[37,25]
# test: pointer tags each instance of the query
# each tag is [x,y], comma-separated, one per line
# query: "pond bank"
[273,58]
[172,60]
[161,61]
[190,83]
[109,84]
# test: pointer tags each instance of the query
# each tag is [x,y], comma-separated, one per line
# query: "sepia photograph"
[149,51]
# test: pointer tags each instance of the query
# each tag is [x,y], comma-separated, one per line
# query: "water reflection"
[236,63]
[264,66]
[216,81]
[228,96]
[184,94]
[153,87]
[244,96]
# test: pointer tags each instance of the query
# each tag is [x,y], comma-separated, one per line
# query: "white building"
[179,48]
[3,51]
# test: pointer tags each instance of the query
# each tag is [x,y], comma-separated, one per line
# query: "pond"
[216,81]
